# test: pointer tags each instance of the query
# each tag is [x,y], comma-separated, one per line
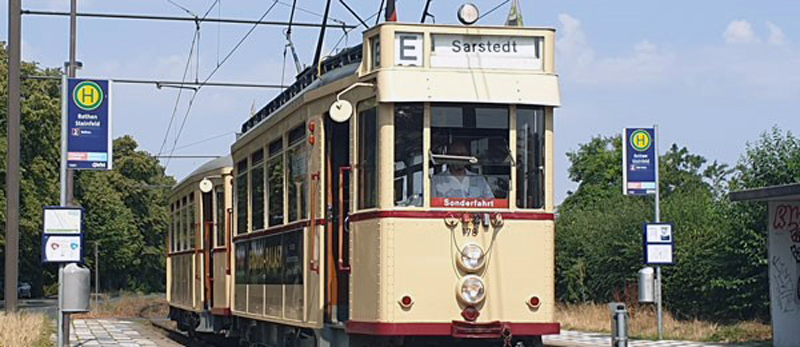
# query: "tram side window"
[191,222]
[184,225]
[241,197]
[178,231]
[530,157]
[297,174]
[367,154]
[171,234]
[408,154]
[257,189]
[470,162]
[275,182]
[221,217]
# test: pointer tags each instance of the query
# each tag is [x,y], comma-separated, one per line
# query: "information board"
[639,165]
[62,234]
[87,124]
[62,248]
[659,245]
[62,220]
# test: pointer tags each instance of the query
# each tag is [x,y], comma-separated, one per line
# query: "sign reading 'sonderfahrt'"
[87,124]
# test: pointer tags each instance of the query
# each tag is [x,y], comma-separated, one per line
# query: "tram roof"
[211,165]
[310,79]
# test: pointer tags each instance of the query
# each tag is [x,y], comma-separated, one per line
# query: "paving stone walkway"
[114,332]
[586,339]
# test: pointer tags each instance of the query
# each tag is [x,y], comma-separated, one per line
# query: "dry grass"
[642,324]
[128,306]
[24,329]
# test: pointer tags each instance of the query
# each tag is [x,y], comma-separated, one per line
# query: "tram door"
[208,246]
[337,158]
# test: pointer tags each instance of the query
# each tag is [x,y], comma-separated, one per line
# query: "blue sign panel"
[639,161]
[88,124]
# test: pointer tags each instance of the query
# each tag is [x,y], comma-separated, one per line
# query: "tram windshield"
[470,156]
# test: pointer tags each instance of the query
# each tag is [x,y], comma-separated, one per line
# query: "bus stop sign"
[87,124]
[638,161]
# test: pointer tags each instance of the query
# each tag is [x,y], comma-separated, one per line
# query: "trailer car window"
[221,217]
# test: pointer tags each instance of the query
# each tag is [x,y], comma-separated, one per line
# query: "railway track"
[167,328]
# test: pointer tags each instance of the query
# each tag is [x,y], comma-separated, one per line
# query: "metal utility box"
[76,289]
[619,324]
[647,285]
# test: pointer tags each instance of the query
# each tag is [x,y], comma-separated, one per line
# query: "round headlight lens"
[472,289]
[471,257]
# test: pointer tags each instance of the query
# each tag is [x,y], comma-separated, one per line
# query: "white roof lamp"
[468,14]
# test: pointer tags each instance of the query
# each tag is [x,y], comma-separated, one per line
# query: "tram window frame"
[297,158]
[409,125]
[172,227]
[192,223]
[275,184]
[178,225]
[219,197]
[447,128]
[257,189]
[241,192]
[531,198]
[368,160]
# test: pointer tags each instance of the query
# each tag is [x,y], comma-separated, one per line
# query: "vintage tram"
[400,193]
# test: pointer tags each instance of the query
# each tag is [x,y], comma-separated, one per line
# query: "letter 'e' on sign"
[408,49]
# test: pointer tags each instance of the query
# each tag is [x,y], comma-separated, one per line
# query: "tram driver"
[456,181]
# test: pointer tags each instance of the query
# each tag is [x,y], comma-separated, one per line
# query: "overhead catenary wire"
[492,10]
[178,99]
[214,71]
[339,24]
[346,6]
[195,44]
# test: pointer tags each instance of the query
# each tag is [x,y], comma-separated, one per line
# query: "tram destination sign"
[86,128]
[638,161]
[486,52]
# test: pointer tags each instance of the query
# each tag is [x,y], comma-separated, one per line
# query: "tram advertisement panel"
[274,259]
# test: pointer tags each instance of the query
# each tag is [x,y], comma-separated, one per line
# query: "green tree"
[127,214]
[599,234]
[123,212]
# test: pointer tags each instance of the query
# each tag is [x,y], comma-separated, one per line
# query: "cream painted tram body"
[198,266]
[424,216]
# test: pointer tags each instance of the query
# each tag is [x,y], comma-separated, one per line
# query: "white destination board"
[63,220]
[59,248]
[486,52]
[658,253]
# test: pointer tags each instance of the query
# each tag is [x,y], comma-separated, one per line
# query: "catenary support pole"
[658,220]
[13,174]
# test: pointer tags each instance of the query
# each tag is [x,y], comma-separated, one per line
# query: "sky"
[713,75]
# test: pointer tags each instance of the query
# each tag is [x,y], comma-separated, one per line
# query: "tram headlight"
[471,290]
[471,257]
